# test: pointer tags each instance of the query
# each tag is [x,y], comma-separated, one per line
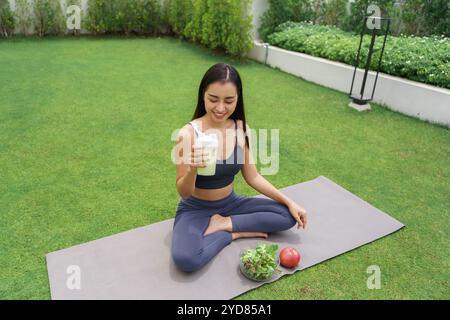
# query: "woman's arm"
[185,174]
[186,183]
[260,184]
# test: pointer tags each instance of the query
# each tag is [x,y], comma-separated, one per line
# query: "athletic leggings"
[191,250]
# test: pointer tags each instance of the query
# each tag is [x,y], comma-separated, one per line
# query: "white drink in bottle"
[210,144]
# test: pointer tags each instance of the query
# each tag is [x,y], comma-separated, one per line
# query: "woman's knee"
[287,214]
[186,261]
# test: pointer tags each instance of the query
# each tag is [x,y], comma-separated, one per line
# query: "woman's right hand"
[199,157]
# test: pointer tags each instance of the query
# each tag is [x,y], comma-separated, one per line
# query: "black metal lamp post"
[359,99]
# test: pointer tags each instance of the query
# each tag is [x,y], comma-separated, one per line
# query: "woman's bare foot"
[237,235]
[218,223]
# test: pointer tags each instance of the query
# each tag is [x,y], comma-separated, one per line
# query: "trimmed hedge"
[179,13]
[124,16]
[48,18]
[23,16]
[216,24]
[412,17]
[423,59]
[7,22]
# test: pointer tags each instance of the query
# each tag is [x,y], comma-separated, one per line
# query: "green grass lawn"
[85,142]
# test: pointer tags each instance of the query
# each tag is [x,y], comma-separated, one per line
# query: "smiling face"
[220,101]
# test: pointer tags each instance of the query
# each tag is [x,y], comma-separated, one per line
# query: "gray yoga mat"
[136,264]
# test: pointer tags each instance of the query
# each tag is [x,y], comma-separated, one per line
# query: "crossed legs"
[199,236]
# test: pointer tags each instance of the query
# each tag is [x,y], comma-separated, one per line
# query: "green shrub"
[137,16]
[358,10]
[423,59]
[303,10]
[239,25]
[6,19]
[101,16]
[217,24]
[418,17]
[23,16]
[179,12]
[280,11]
[124,16]
[426,17]
[48,17]
[437,17]
[334,13]
[164,16]
[194,28]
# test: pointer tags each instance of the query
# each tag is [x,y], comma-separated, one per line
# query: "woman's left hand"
[298,213]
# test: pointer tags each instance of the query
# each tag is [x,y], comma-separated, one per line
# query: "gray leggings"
[191,250]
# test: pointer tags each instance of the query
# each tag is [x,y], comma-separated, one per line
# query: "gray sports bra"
[225,169]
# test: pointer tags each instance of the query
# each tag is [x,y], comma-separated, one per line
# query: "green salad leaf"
[260,263]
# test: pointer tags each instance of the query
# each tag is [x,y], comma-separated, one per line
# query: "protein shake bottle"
[210,144]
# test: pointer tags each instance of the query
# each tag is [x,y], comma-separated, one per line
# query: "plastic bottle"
[210,144]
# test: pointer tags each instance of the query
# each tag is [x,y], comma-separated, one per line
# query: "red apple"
[289,257]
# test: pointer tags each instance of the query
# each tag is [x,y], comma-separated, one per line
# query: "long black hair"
[223,73]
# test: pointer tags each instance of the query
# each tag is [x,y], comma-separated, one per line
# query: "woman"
[210,214]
